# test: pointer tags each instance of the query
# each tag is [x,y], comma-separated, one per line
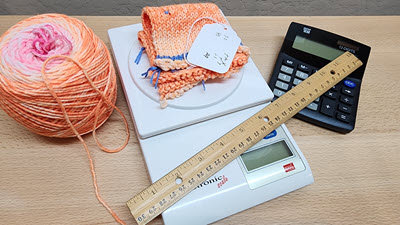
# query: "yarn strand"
[92,169]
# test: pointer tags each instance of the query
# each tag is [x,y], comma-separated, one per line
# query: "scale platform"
[170,136]
[222,96]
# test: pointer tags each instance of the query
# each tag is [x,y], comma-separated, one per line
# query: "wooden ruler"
[156,198]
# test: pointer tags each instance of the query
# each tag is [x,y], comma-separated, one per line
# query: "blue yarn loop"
[166,12]
[158,76]
[139,56]
[204,85]
[150,69]
[175,57]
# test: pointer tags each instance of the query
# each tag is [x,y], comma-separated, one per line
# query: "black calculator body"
[307,49]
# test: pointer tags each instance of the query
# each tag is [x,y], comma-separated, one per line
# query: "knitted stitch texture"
[164,36]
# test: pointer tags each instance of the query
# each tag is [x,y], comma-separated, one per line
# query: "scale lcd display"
[266,155]
[315,48]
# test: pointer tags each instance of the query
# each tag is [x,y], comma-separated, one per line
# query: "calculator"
[307,49]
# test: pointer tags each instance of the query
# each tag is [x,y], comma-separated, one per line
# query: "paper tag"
[214,47]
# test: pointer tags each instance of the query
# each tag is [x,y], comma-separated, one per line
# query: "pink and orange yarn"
[57,79]
[164,37]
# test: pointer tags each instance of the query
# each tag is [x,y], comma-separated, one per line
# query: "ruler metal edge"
[169,189]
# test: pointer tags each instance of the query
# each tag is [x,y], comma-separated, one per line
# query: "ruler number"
[263,128]
[233,150]
[256,134]
[141,218]
[217,162]
[209,168]
[249,139]
[162,202]
[191,181]
[201,174]
[225,156]
[182,188]
[152,210]
[172,195]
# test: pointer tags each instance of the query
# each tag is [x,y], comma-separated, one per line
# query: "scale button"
[288,62]
[286,69]
[349,84]
[289,167]
[271,135]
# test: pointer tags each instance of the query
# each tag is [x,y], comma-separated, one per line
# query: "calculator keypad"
[336,104]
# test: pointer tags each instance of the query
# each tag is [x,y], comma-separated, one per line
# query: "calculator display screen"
[266,155]
[315,48]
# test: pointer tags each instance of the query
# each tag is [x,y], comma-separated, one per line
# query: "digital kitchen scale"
[168,137]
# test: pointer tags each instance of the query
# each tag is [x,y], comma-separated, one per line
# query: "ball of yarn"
[24,94]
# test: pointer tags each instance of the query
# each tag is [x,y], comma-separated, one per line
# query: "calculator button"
[313,106]
[284,77]
[316,100]
[301,75]
[331,94]
[286,69]
[296,81]
[328,107]
[281,85]
[347,91]
[347,100]
[278,93]
[334,88]
[344,108]
[343,117]
[349,83]
[288,62]
[303,67]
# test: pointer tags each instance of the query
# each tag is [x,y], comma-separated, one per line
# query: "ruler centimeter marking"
[165,192]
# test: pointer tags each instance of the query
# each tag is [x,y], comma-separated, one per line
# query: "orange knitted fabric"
[164,36]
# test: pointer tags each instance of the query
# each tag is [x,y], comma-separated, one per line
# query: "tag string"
[188,38]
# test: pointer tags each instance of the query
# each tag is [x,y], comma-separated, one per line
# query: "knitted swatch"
[164,36]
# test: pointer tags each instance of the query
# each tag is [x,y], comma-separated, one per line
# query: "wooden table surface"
[357,175]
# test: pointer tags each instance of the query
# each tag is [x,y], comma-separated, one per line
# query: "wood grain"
[357,177]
